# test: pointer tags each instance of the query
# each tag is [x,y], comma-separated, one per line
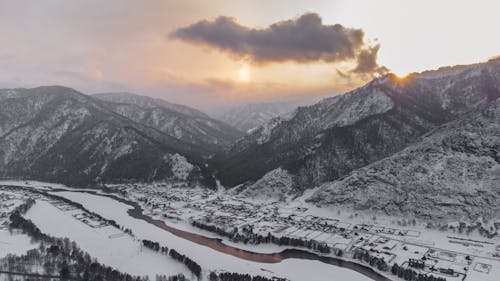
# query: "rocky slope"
[328,140]
[181,122]
[58,134]
[452,172]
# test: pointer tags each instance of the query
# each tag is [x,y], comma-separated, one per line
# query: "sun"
[244,74]
[402,78]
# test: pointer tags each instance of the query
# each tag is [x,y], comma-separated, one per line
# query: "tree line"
[411,275]
[193,266]
[232,276]
[405,273]
[373,261]
[253,238]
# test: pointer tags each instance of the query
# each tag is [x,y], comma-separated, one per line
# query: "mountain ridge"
[453,172]
[58,134]
[181,122]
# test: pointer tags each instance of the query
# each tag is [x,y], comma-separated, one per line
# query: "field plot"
[484,270]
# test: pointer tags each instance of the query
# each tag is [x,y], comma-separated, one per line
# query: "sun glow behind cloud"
[244,73]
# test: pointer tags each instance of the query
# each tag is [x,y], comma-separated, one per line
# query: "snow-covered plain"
[107,244]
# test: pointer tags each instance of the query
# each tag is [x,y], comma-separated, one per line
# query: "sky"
[209,54]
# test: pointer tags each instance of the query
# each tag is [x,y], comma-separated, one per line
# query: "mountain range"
[427,144]
[184,123]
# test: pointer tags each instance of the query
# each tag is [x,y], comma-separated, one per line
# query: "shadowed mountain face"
[181,122]
[57,134]
[328,140]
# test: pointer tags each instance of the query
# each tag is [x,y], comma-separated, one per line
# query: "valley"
[446,254]
[225,140]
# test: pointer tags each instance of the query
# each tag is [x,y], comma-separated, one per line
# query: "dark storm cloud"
[304,39]
[367,62]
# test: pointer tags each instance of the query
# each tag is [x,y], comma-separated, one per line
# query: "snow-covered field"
[107,244]
[12,242]
[15,243]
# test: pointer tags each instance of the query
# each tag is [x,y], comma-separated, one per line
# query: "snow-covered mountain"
[181,122]
[148,102]
[326,141]
[452,172]
[252,115]
[58,134]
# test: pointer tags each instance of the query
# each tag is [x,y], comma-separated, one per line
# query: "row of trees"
[253,238]
[482,228]
[405,273]
[411,275]
[215,229]
[155,246]
[373,261]
[178,277]
[232,276]
[194,267]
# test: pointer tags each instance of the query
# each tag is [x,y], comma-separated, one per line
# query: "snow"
[484,270]
[15,243]
[122,253]
[383,233]
[292,269]
[357,105]
[265,131]
[273,186]
[180,166]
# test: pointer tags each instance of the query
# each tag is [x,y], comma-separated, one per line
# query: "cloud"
[367,62]
[303,40]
